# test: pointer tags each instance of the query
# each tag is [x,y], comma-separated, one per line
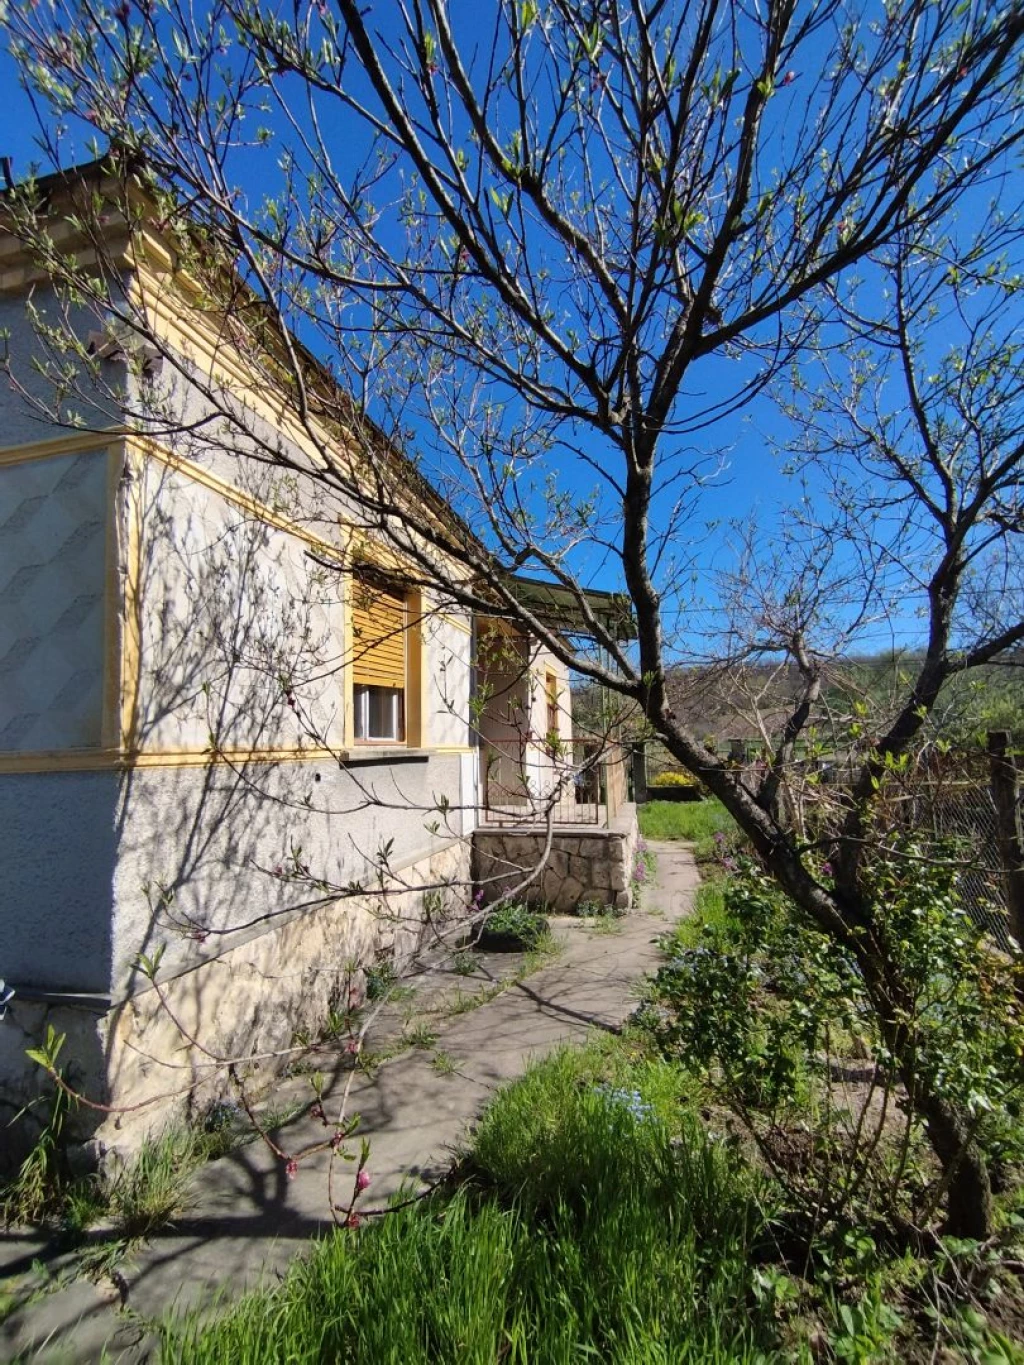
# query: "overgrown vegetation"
[595,1219]
[603,1210]
[132,1203]
[776,1026]
[512,928]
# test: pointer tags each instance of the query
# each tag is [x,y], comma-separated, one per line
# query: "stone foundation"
[583,864]
[162,1053]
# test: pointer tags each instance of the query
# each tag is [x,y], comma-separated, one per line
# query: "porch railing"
[528,782]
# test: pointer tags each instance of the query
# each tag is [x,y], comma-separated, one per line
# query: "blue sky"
[752,484]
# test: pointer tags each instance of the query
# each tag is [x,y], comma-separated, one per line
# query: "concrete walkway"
[247,1219]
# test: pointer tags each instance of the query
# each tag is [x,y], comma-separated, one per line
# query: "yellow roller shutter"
[378,635]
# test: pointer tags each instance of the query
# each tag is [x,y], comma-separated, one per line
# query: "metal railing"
[530,782]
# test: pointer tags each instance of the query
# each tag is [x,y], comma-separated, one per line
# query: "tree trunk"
[964,1169]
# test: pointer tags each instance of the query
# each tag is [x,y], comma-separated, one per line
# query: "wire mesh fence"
[945,800]
[953,804]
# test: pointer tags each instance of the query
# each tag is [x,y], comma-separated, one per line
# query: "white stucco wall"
[205,860]
[53,565]
[205,850]
[236,619]
[448,648]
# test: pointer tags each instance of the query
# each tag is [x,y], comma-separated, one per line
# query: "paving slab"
[247,1219]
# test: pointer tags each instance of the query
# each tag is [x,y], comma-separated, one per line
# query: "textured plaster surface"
[59,839]
[447,646]
[242,632]
[209,849]
[52,582]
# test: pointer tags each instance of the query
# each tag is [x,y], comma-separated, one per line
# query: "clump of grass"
[420,1034]
[595,1227]
[380,979]
[153,1189]
[708,909]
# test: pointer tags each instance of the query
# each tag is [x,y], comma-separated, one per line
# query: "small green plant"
[420,1034]
[380,979]
[463,963]
[35,1191]
[153,1188]
[443,1063]
[511,928]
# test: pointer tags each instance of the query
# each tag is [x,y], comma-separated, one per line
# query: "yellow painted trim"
[348,708]
[196,336]
[416,733]
[69,444]
[60,761]
[368,551]
[129,520]
[105,760]
[208,758]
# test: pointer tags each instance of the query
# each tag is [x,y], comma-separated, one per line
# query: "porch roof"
[562,608]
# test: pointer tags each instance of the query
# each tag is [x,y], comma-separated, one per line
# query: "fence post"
[639,767]
[1003,778]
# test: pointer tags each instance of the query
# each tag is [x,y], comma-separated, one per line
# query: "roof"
[555,605]
[562,607]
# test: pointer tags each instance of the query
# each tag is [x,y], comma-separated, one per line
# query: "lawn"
[696,821]
[608,1208]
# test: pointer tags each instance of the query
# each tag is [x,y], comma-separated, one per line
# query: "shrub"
[767,1010]
[673,779]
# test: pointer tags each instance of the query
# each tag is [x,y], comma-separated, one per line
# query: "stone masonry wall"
[582,864]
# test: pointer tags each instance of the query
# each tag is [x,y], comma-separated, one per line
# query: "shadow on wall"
[239,853]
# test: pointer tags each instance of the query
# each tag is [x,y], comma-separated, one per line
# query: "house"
[241,735]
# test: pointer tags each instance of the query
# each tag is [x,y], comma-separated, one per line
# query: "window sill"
[384,753]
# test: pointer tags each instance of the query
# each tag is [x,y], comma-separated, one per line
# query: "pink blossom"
[291,1168]
[362,1181]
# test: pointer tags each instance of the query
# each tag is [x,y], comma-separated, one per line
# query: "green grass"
[708,908]
[581,1232]
[693,820]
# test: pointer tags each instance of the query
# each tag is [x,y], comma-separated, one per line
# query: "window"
[379,640]
[380,713]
